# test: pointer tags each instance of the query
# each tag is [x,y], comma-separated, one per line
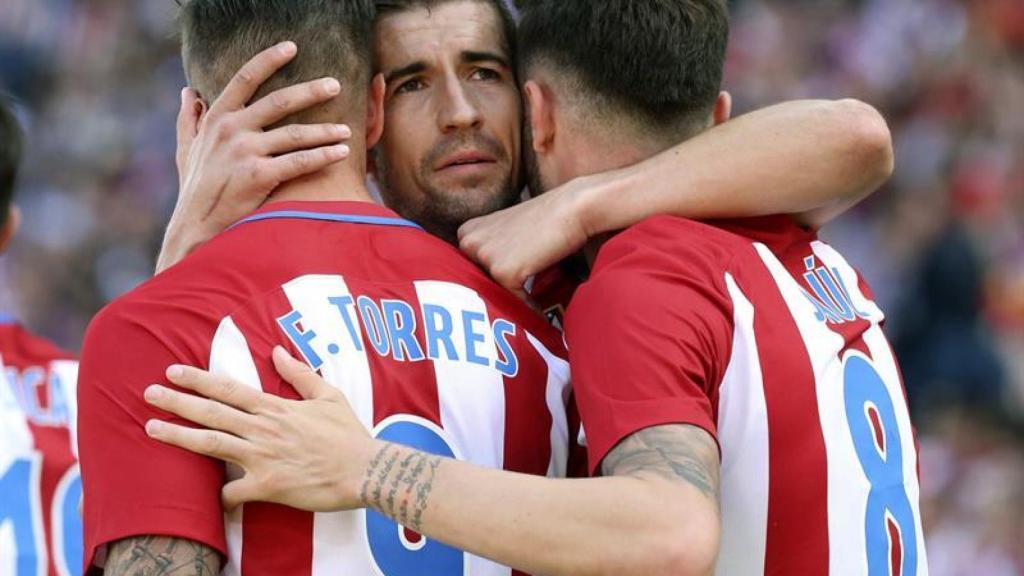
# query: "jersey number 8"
[890,529]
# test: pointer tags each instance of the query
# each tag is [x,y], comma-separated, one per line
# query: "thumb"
[238,492]
[188,122]
[306,382]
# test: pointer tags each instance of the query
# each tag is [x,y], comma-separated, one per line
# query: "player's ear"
[10,226]
[375,112]
[540,114]
[723,108]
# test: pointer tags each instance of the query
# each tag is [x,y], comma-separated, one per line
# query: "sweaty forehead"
[442,32]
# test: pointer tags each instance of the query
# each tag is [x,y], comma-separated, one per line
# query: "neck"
[340,182]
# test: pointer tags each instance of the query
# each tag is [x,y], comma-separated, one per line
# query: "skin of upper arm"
[161,555]
[682,463]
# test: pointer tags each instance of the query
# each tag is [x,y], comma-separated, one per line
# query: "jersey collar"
[345,212]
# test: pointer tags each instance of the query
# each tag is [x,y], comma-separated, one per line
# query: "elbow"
[687,548]
[691,552]
[870,139]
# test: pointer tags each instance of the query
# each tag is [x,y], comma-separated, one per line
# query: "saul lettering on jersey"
[40,489]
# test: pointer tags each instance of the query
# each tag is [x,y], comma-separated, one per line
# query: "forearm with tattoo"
[160,556]
[399,482]
[674,452]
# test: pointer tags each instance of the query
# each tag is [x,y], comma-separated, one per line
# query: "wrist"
[597,201]
[372,461]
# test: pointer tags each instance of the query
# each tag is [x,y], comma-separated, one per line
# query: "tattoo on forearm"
[675,452]
[159,556]
[398,483]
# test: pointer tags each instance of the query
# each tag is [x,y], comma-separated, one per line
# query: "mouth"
[466,161]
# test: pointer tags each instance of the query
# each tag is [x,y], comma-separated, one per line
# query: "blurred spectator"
[943,244]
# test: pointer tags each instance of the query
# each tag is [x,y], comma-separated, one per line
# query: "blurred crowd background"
[943,243]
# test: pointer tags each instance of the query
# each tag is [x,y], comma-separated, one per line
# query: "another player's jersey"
[428,350]
[40,526]
[766,337]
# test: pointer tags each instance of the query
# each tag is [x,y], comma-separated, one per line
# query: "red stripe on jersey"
[54,443]
[391,394]
[521,428]
[896,547]
[265,526]
[797,535]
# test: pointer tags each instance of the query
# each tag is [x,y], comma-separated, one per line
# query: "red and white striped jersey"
[40,526]
[428,350]
[766,337]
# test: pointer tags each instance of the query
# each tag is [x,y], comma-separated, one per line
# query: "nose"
[459,111]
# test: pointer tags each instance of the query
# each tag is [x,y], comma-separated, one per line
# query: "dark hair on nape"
[508,21]
[11,147]
[334,39]
[656,63]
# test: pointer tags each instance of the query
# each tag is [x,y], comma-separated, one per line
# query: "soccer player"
[40,525]
[750,333]
[816,158]
[432,352]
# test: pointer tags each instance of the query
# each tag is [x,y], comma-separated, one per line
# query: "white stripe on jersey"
[230,357]
[557,396]
[66,372]
[743,436]
[472,396]
[885,362]
[16,439]
[340,544]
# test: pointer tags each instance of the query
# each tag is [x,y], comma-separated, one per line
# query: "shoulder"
[662,256]
[666,246]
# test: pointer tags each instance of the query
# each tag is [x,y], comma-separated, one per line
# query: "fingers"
[206,413]
[287,101]
[303,136]
[470,226]
[306,382]
[247,81]
[224,390]
[206,442]
[240,491]
[301,163]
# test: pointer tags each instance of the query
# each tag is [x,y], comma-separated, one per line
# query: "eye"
[413,85]
[485,74]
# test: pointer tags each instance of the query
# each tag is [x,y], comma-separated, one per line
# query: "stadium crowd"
[943,243]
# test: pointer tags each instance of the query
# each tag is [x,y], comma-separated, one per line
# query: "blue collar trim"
[322,217]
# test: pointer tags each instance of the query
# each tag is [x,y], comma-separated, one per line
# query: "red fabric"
[173,319]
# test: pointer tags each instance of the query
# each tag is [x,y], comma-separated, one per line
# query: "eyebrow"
[408,70]
[467,57]
[472,57]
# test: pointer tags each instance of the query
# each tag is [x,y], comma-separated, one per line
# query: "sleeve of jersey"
[133,485]
[647,348]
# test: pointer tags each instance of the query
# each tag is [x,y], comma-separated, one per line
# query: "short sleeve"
[133,485]
[649,340]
